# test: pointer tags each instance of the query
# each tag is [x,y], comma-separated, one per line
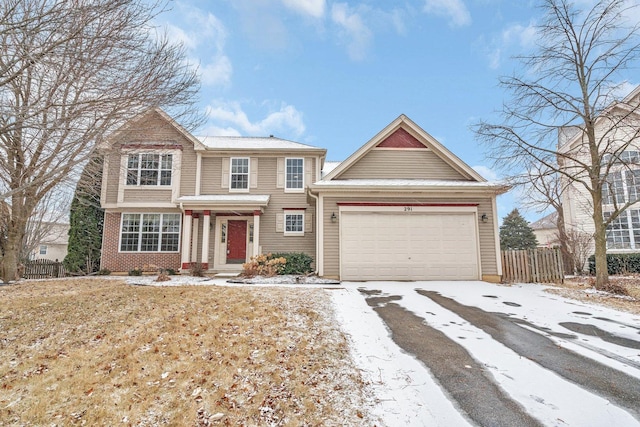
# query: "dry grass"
[581,288]
[99,352]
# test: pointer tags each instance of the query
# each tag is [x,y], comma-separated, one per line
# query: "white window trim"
[284,222]
[294,190]
[160,170]
[239,190]
[140,233]
[43,247]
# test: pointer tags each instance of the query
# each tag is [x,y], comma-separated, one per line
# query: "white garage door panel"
[408,246]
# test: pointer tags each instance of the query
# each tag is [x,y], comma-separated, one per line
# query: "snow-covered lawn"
[407,393]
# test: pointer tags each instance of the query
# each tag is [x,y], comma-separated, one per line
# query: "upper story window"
[621,187]
[294,177]
[43,249]
[627,157]
[149,169]
[239,174]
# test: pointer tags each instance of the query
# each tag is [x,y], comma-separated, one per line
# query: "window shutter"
[225,172]
[253,176]
[280,223]
[308,223]
[280,173]
[308,177]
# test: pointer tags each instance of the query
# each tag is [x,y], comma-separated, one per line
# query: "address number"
[408,208]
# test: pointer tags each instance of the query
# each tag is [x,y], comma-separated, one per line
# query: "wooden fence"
[532,266]
[43,269]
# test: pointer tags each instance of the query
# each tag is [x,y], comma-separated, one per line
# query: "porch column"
[186,239]
[194,239]
[256,232]
[206,229]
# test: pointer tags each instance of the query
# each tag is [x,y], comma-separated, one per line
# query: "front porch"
[220,232]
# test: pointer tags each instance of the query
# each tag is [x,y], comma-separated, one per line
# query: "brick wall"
[123,262]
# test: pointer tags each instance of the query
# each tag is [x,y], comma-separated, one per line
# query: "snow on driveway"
[407,394]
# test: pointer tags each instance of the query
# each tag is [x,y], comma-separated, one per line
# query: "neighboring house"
[401,207]
[623,234]
[53,244]
[546,231]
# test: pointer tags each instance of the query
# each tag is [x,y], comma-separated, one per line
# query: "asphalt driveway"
[481,354]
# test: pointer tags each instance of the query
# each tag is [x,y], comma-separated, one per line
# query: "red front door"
[237,242]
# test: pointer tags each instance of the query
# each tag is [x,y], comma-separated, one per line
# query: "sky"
[334,73]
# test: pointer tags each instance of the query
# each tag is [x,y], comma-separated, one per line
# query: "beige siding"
[113,178]
[142,194]
[210,178]
[188,171]
[487,239]
[155,130]
[402,164]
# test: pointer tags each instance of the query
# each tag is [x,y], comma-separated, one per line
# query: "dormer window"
[149,169]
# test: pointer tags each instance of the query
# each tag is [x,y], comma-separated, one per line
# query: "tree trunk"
[567,258]
[600,238]
[11,258]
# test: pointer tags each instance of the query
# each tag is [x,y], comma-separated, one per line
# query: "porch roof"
[224,201]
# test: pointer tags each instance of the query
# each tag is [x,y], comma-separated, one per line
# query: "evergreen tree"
[515,233]
[86,221]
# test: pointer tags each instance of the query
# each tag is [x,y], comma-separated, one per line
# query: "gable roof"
[406,134]
[156,110]
[568,136]
[547,222]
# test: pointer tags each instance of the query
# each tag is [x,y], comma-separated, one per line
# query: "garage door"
[408,246]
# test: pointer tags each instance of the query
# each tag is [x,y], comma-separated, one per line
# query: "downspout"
[318,216]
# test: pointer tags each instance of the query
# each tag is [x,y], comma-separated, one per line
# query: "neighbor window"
[239,174]
[621,187]
[43,249]
[294,223]
[624,231]
[150,232]
[149,169]
[294,174]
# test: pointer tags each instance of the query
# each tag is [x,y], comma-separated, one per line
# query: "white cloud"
[514,35]
[358,35]
[486,173]
[313,8]
[205,37]
[455,10]
[286,120]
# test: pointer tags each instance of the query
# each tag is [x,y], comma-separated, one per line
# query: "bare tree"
[570,81]
[71,72]
[543,189]
[579,246]
[45,223]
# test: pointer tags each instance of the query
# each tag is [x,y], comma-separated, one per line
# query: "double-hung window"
[239,174]
[294,177]
[149,169]
[150,232]
[294,223]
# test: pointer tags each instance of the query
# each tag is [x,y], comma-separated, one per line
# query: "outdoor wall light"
[484,217]
[334,218]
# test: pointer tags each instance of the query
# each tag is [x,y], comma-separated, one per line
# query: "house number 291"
[408,208]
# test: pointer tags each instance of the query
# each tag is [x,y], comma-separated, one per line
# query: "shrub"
[196,269]
[297,263]
[263,265]
[170,271]
[104,272]
[135,272]
[618,263]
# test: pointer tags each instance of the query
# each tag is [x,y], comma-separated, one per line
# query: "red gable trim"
[400,139]
[455,205]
